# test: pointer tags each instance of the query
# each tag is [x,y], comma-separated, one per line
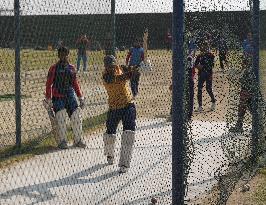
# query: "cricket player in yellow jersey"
[121,108]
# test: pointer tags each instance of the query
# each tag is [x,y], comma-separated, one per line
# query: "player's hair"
[63,49]
[203,45]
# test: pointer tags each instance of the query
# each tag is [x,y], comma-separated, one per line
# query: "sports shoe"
[123,169]
[62,145]
[110,160]
[80,144]
[236,129]
[213,106]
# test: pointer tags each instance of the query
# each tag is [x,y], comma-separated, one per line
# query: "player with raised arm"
[121,108]
[134,58]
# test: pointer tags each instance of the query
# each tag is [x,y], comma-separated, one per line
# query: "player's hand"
[47,103]
[82,103]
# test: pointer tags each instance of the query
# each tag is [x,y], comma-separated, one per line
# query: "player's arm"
[110,77]
[49,82]
[128,56]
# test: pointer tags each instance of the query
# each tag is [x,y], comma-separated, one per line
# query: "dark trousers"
[222,58]
[127,115]
[245,103]
[134,84]
[205,77]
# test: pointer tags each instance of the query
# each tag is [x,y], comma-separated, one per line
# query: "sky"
[46,7]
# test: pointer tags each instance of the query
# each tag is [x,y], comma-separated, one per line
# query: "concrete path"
[81,176]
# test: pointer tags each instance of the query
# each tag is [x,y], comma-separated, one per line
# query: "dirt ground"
[238,197]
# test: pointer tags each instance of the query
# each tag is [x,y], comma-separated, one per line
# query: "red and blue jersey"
[62,81]
[135,56]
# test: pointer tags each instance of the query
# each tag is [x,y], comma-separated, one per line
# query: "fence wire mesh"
[96,129]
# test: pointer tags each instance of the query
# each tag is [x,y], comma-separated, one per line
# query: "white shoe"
[110,160]
[200,109]
[213,106]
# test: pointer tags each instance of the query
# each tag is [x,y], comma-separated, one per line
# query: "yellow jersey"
[119,94]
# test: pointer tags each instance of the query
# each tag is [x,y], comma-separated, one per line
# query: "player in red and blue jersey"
[134,57]
[62,88]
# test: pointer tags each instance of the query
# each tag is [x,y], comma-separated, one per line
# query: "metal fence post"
[256,43]
[178,121]
[17,72]
[113,26]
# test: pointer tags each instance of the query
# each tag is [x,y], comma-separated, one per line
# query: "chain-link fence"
[79,126]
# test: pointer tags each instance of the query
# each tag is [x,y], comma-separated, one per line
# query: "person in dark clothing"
[247,93]
[223,50]
[205,63]
[83,44]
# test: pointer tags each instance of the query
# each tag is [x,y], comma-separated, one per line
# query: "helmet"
[109,60]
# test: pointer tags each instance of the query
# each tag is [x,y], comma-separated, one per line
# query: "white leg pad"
[76,124]
[127,142]
[61,125]
[109,144]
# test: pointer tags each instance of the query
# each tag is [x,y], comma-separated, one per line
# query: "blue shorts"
[127,115]
[69,103]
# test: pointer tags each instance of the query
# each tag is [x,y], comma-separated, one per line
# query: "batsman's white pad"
[127,142]
[61,125]
[109,144]
[76,124]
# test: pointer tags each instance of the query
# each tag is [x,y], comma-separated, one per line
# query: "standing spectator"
[205,63]
[83,44]
[168,40]
[223,50]
[248,46]
[134,57]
